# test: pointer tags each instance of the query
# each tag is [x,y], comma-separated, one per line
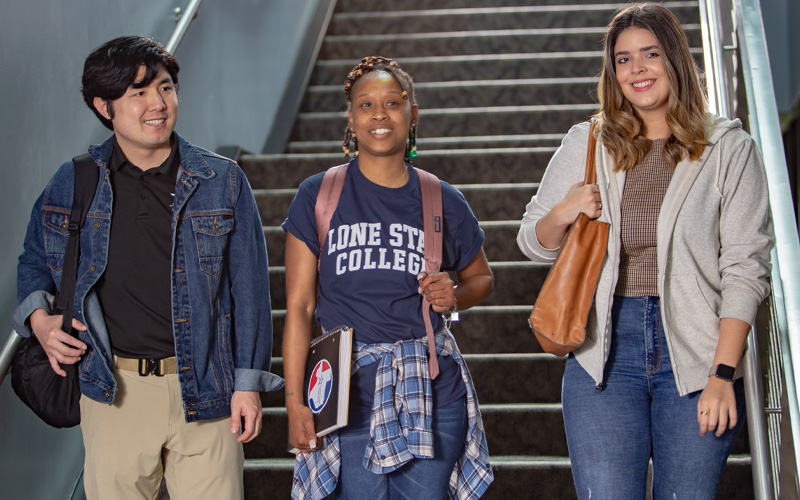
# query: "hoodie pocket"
[690,314]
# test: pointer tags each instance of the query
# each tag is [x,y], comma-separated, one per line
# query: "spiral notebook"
[327,382]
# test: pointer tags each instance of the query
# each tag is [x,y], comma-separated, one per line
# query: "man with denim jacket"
[172,294]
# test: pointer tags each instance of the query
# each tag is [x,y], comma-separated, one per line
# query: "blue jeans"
[636,415]
[420,479]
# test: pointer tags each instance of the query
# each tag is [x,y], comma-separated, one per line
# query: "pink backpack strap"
[432,221]
[328,199]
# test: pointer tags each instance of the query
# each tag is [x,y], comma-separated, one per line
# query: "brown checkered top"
[645,187]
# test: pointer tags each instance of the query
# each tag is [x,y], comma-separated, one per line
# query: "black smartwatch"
[724,372]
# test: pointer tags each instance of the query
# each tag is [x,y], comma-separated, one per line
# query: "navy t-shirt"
[370,261]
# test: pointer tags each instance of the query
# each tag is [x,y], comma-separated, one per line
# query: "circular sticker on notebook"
[320,385]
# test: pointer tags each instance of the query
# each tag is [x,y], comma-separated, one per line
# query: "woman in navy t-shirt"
[372,278]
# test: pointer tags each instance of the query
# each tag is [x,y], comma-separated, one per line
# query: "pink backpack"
[431,192]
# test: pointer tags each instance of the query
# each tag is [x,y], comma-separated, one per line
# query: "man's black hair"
[112,68]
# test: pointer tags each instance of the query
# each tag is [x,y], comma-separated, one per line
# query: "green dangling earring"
[411,153]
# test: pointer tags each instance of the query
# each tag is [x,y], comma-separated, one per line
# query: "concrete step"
[437,145]
[456,43]
[367,5]
[477,165]
[523,65]
[489,18]
[475,67]
[473,93]
[459,122]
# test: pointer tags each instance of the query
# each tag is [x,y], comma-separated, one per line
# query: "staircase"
[499,82]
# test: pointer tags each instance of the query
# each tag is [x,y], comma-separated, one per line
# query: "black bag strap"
[86,176]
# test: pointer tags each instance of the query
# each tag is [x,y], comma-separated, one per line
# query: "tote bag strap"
[591,173]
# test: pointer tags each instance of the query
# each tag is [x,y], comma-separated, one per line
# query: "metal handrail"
[9,348]
[184,19]
[712,58]
[764,126]
[766,131]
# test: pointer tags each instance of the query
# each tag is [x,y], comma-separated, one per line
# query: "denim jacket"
[221,315]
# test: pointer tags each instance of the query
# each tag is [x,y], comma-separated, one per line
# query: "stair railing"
[740,85]
[9,348]
[183,18]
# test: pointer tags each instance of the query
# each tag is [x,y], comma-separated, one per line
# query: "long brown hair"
[620,126]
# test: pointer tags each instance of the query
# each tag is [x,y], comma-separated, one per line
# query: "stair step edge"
[475,83]
[497,10]
[592,30]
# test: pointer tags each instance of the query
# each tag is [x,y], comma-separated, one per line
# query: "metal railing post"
[7,353]
[757,423]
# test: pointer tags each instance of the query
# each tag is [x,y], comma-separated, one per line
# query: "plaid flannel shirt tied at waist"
[401,423]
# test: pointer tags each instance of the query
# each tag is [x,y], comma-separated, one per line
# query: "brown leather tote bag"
[561,311]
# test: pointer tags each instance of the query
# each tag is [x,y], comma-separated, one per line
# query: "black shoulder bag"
[52,397]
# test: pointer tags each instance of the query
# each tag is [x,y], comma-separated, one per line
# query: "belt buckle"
[151,366]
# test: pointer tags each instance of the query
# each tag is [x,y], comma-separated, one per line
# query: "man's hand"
[59,346]
[247,405]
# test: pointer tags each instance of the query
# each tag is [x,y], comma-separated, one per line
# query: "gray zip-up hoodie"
[714,239]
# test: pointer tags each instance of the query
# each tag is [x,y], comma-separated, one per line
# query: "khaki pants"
[143,435]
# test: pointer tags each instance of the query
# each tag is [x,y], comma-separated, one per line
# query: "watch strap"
[724,372]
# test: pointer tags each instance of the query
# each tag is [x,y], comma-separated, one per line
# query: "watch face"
[725,372]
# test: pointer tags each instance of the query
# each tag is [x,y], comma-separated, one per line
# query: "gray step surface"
[490,18]
[456,122]
[504,144]
[457,43]
[473,93]
[561,64]
[371,5]
[454,166]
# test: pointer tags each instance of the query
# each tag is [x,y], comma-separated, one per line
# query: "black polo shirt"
[135,290]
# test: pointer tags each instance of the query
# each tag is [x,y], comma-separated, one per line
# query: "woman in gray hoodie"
[687,265]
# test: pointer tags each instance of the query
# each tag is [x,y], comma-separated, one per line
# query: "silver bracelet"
[451,314]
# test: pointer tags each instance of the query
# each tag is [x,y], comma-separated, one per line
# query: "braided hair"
[380,63]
